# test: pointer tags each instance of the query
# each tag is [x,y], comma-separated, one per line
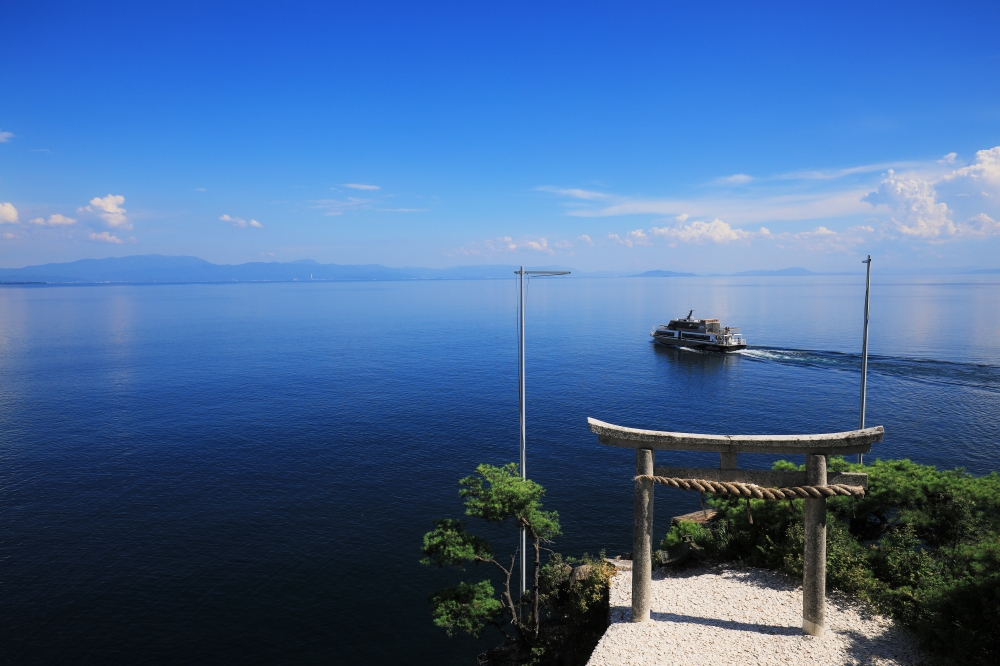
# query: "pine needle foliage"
[560,618]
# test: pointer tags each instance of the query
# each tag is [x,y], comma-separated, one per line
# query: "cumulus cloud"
[914,203]
[538,246]
[631,239]
[948,159]
[699,231]
[979,225]
[105,237]
[109,209]
[586,239]
[5,137]
[55,220]
[984,170]
[241,223]
[361,186]
[506,245]
[8,214]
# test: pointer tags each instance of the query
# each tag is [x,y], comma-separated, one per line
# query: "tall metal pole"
[864,351]
[523,275]
[524,434]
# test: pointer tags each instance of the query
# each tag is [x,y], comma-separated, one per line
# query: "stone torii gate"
[814,485]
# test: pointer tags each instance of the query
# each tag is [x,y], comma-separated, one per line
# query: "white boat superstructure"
[699,334]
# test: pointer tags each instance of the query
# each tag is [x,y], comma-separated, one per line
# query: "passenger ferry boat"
[706,334]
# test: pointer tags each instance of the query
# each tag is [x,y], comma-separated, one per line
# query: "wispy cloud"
[361,186]
[55,220]
[735,179]
[241,223]
[5,137]
[109,209]
[933,201]
[8,214]
[403,210]
[335,207]
[199,189]
[586,195]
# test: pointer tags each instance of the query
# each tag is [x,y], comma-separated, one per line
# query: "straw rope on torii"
[751,490]
[813,486]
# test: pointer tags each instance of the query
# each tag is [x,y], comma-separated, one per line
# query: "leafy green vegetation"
[563,615]
[923,545]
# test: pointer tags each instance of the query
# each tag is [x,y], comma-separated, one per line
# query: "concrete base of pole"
[814,555]
[642,537]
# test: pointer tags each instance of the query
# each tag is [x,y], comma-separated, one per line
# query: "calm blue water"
[242,473]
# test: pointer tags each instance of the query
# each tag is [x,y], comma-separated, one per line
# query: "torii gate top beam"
[853,441]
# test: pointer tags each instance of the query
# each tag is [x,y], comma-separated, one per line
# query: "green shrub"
[923,545]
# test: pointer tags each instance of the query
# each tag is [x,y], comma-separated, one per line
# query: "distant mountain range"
[160,268]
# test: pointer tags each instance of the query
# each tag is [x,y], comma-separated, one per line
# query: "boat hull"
[697,344]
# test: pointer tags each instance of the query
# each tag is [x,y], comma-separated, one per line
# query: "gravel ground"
[730,615]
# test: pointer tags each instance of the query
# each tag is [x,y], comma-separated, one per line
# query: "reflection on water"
[242,473]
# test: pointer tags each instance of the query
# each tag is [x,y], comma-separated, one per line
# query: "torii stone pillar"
[815,447]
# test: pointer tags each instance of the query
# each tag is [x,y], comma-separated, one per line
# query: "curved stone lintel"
[852,441]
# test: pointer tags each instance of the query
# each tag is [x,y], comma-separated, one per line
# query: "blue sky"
[707,137]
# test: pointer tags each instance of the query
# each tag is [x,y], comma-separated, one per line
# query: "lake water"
[242,473]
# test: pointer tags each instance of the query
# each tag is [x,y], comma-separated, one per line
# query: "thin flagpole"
[864,351]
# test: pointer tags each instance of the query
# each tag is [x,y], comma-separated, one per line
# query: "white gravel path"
[729,615]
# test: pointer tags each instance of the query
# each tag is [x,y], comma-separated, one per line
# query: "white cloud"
[241,223]
[8,214]
[5,137]
[109,209]
[916,208]
[913,200]
[8,235]
[984,170]
[506,245]
[541,245]
[586,239]
[55,220]
[587,195]
[199,189]
[403,210]
[362,186]
[980,225]
[735,179]
[105,237]
[335,207]
[698,231]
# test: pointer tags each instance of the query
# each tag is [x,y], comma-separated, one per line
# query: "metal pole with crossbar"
[522,275]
